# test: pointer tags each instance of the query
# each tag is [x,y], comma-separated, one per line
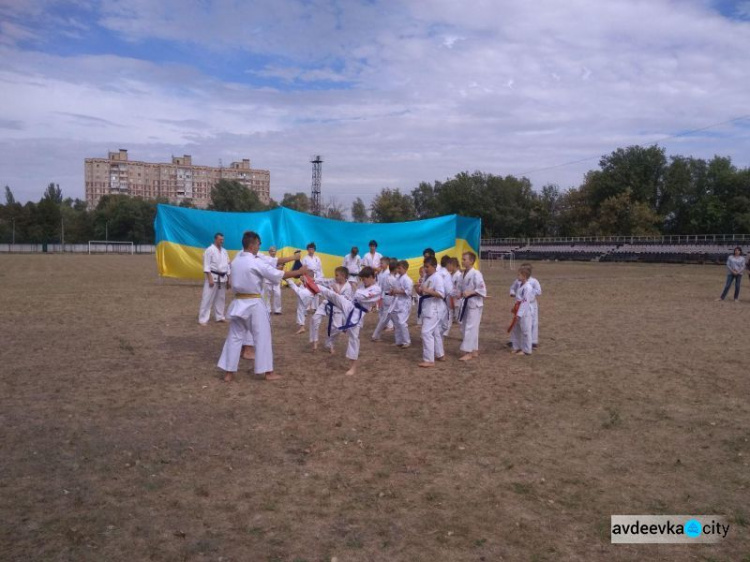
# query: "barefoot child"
[304,301]
[457,276]
[401,289]
[445,321]
[431,310]
[521,332]
[353,311]
[474,291]
[326,310]
[386,279]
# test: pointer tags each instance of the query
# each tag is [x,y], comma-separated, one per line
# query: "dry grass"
[119,442]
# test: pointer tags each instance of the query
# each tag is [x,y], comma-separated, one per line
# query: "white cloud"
[423,89]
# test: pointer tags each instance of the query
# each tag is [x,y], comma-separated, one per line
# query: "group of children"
[446,293]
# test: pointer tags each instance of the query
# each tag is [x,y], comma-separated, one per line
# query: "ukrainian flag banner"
[183,234]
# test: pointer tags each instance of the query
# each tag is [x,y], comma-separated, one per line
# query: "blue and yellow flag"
[183,234]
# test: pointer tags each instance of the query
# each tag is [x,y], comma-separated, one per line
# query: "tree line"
[637,191]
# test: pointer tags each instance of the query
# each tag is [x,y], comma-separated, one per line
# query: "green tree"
[334,210]
[359,211]
[390,205]
[231,195]
[296,201]
[9,199]
[53,193]
[425,200]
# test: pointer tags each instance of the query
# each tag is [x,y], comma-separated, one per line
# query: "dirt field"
[120,442]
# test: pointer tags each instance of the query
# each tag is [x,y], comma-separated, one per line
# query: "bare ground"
[120,442]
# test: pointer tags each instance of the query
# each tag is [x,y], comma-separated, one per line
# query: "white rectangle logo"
[674,529]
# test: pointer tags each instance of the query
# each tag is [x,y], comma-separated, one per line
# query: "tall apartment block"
[177,182]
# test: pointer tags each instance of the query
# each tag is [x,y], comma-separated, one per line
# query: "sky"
[390,93]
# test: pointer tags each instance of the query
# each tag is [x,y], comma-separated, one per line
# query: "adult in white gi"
[272,290]
[373,257]
[473,292]
[248,312]
[354,311]
[216,282]
[353,263]
[431,310]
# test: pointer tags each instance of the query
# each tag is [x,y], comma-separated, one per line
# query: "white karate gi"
[473,280]
[386,281]
[521,335]
[321,313]
[372,260]
[535,310]
[433,311]
[445,322]
[353,264]
[304,300]
[249,314]
[216,263]
[365,297]
[457,291]
[272,296]
[315,266]
[400,309]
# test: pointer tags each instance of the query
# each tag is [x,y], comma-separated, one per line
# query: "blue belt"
[348,324]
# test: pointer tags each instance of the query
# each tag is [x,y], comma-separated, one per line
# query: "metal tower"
[317,173]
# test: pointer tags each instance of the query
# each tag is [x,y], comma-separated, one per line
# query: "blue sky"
[391,93]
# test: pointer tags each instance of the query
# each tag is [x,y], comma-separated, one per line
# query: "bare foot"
[272,376]
[441,358]
[467,357]
[301,330]
[330,350]
[352,371]
[229,377]
[426,365]
[475,354]
[248,352]
[376,339]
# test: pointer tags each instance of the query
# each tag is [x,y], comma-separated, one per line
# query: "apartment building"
[177,181]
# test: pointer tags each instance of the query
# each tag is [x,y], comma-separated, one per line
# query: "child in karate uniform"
[474,292]
[445,321]
[353,311]
[521,338]
[432,311]
[386,279]
[326,312]
[457,276]
[400,310]
[304,301]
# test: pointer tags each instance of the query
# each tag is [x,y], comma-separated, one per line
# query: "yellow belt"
[246,296]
